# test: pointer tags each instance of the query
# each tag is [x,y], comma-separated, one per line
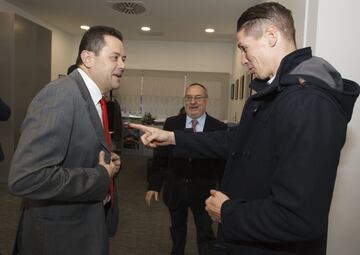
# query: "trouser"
[204,233]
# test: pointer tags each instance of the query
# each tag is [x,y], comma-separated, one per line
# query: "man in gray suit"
[63,165]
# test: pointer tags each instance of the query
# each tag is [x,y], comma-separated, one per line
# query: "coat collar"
[287,64]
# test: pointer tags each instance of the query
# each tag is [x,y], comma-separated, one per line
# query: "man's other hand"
[149,195]
[214,203]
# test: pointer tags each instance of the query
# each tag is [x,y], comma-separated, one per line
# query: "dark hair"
[71,68]
[93,40]
[200,85]
[270,12]
[182,111]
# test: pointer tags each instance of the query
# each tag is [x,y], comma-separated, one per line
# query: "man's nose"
[193,100]
[121,63]
[244,59]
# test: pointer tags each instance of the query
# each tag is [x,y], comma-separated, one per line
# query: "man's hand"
[149,195]
[153,137]
[214,203]
[114,165]
[116,160]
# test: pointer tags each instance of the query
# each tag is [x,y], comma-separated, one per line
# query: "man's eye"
[243,49]
[115,58]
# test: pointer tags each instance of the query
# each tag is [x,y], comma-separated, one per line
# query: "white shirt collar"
[201,122]
[94,90]
[271,80]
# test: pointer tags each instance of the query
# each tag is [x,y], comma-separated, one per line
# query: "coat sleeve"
[220,165]
[36,171]
[310,132]
[203,145]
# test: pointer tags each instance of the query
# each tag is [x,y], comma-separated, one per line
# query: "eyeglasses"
[196,98]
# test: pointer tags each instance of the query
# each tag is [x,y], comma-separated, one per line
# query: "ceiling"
[170,20]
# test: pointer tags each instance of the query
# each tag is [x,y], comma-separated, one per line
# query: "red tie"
[194,122]
[105,121]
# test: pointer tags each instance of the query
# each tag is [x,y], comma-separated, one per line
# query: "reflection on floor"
[142,230]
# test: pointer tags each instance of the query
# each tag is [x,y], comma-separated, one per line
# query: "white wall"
[63,52]
[297,8]
[338,41]
[177,56]
[62,48]
[235,106]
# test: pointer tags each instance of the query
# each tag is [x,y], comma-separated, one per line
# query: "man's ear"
[272,35]
[87,58]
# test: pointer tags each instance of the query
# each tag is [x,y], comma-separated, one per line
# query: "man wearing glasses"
[187,181]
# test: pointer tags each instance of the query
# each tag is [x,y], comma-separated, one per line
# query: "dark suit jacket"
[115,121]
[4,115]
[55,169]
[198,176]
[4,111]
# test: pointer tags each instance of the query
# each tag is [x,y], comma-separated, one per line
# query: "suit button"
[246,154]
[235,155]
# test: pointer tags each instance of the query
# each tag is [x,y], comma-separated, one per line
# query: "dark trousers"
[204,233]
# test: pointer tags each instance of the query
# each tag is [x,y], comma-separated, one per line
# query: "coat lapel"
[207,125]
[94,116]
[181,123]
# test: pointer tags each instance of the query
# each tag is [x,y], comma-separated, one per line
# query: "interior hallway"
[141,231]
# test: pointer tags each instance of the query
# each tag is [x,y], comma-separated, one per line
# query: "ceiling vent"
[128,7]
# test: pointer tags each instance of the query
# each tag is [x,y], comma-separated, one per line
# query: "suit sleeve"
[36,171]
[5,111]
[310,132]
[159,164]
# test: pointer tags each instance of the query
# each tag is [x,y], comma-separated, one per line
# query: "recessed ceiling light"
[84,27]
[145,28]
[209,30]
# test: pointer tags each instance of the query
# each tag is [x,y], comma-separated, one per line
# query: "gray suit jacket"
[55,169]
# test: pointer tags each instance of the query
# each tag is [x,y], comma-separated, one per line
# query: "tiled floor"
[142,230]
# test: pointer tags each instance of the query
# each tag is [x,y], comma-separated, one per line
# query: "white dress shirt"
[271,80]
[200,125]
[94,90]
